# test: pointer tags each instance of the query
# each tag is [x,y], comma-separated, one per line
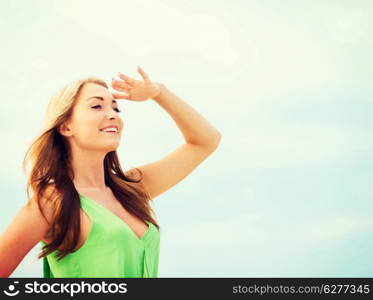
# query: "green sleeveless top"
[111,249]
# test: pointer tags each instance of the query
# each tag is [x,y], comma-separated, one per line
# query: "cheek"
[87,134]
[89,126]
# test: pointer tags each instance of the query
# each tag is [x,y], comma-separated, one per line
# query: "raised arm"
[201,139]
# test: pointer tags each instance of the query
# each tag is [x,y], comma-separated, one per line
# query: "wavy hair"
[51,175]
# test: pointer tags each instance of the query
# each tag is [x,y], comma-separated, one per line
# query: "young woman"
[93,219]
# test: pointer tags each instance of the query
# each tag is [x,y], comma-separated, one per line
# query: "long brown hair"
[51,175]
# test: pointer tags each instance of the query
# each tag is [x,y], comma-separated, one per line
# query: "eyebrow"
[101,98]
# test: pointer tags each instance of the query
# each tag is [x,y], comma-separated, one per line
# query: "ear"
[65,130]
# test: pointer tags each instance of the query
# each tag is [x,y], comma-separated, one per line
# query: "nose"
[111,114]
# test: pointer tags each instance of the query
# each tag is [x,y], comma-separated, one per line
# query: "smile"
[109,132]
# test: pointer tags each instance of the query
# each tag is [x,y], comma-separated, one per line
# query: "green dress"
[111,249]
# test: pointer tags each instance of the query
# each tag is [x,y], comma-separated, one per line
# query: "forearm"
[195,128]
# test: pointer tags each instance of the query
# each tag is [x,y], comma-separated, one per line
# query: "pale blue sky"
[287,83]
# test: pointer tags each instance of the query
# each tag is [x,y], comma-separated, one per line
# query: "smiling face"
[94,110]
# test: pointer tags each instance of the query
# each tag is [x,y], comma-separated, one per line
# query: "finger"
[143,74]
[120,96]
[120,84]
[126,78]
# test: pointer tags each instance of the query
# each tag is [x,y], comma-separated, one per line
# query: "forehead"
[93,89]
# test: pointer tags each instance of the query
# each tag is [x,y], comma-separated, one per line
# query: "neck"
[88,168]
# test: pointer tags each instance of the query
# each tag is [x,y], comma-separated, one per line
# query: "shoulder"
[47,204]
[133,172]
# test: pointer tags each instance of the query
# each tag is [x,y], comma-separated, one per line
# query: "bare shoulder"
[133,173]
[47,204]
[26,229]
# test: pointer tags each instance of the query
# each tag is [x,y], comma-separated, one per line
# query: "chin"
[113,148]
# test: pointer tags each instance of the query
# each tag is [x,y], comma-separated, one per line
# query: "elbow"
[219,136]
[216,141]
[211,142]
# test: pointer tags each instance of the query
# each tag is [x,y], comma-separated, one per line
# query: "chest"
[112,205]
[107,201]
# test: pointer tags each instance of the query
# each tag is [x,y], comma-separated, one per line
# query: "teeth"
[110,130]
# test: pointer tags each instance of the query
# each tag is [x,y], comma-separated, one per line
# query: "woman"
[93,219]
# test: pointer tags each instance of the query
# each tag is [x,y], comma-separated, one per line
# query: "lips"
[110,126]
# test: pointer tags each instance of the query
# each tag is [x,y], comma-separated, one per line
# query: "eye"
[116,109]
